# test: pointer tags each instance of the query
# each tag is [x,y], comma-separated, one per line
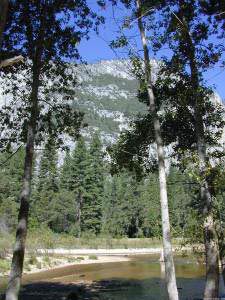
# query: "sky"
[97,47]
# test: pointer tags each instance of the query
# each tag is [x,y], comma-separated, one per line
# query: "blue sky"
[97,47]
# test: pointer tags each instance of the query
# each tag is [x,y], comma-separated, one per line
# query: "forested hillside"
[81,197]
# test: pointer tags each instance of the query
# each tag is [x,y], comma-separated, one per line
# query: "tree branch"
[11,61]
[4,162]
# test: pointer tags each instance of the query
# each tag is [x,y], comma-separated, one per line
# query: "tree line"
[82,196]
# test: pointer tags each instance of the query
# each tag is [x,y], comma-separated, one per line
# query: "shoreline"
[104,252]
[63,262]
[86,261]
[60,257]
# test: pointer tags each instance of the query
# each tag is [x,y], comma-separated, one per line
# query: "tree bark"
[21,233]
[16,271]
[167,246]
[209,231]
[3,14]
[212,258]
[210,237]
[222,260]
[221,243]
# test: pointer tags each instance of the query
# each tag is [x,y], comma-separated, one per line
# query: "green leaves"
[47,34]
[120,42]
[10,180]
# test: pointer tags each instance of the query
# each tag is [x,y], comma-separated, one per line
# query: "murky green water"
[139,279]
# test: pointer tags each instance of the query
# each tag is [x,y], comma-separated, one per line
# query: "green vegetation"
[4,265]
[80,258]
[82,199]
[68,241]
[93,257]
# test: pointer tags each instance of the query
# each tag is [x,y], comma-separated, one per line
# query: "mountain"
[107,94]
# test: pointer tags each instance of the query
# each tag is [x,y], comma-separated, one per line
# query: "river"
[142,278]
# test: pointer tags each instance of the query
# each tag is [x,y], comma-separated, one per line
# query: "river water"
[142,278]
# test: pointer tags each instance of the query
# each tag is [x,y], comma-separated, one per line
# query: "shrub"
[80,258]
[93,257]
[32,260]
[27,266]
[4,265]
[46,260]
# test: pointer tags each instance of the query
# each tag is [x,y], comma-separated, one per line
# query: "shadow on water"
[113,289]
[139,279]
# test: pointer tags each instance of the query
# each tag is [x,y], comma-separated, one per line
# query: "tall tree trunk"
[16,271]
[3,14]
[222,260]
[21,233]
[210,236]
[167,246]
[221,243]
[211,254]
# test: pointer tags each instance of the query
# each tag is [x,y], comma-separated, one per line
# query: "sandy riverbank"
[47,259]
[55,261]
[105,252]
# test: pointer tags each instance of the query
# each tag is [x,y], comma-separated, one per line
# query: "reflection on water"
[139,279]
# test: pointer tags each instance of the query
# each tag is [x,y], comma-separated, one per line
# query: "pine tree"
[92,206]
[63,213]
[63,207]
[82,178]
[48,173]
[79,170]
[47,184]
[131,208]
[117,206]
[179,200]
[66,172]
[149,199]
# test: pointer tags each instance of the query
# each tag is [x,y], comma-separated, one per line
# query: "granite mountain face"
[107,94]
